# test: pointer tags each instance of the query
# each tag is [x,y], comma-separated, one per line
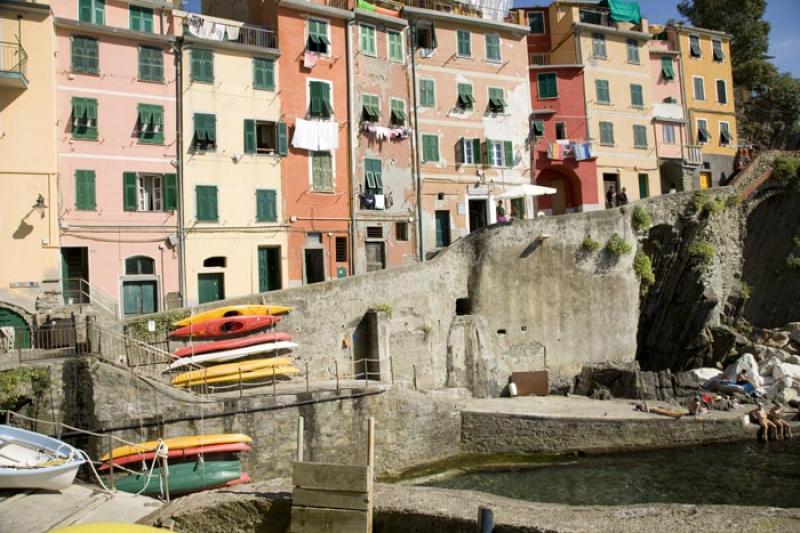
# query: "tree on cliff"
[767,102]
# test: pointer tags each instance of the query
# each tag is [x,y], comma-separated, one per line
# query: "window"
[318,40]
[539,59]
[427,93]
[374,232]
[722,92]
[724,133]
[500,153]
[699,88]
[206,203]
[395,45]
[668,132]
[464,42]
[430,148]
[666,69]
[702,131]
[85,57]
[322,171]
[85,196]
[640,137]
[633,51]
[84,118]
[497,102]
[266,205]
[536,22]
[149,192]
[151,64]
[373,176]
[367,39]
[468,151]
[202,65]
[264,137]
[716,46]
[141,19]
[538,128]
[546,85]
[341,249]
[140,266]
[465,98]
[607,133]
[320,96]
[599,45]
[603,93]
[93,11]
[442,218]
[694,46]
[398,117]
[644,186]
[637,99]
[401,231]
[561,130]
[370,111]
[217,261]
[493,47]
[150,124]
[205,132]
[426,37]
[263,74]
[590,17]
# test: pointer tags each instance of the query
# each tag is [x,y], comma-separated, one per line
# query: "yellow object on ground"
[262,373]
[182,380]
[233,310]
[107,527]
[178,443]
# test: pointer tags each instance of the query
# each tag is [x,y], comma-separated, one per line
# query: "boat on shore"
[232,326]
[189,476]
[233,310]
[30,460]
[182,453]
[266,373]
[177,443]
[231,344]
[240,367]
[231,355]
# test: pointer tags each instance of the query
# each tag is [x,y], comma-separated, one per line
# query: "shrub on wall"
[641,219]
[702,203]
[644,269]
[589,244]
[786,170]
[702,250]
[617,246]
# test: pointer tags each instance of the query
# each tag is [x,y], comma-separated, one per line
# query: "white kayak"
[31,460]
[230,355]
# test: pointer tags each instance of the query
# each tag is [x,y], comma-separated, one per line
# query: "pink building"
[116,148]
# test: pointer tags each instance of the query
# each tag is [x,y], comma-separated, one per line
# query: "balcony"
[577,149]
[214,29]
[694,154]
[13,61]
[481,9]
[338,4]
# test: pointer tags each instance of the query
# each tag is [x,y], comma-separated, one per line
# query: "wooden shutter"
[130,200]
[460,151]
[283,138]
[85,10]
[249,136]
[325,98]
[197,66]
[508,154]
[314,94]
[100,11]
[211,128]
[85,197]
[476,150]
[170,192]
[91,61]
[136,18]
[208,65]
[78,54]
[266,208]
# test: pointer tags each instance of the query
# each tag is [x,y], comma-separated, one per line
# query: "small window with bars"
[341,249]
[374,232]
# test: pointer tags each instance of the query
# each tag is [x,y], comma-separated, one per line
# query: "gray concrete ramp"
[41,511]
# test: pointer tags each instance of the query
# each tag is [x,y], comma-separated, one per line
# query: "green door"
[210,287]
[139,297]
[269,269]
[22,334]
[74,268]
[442,229]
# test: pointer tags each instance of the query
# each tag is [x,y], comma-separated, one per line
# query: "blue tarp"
[622,11]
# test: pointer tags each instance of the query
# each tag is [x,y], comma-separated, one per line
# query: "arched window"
[216,261]
[139,265]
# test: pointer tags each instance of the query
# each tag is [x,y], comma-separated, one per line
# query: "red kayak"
[226,327]
[232,344]
[173,454]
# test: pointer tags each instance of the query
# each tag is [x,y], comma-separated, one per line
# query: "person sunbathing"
[783,429]
[759,416]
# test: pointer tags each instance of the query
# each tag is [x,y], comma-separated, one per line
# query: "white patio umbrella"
[525,190]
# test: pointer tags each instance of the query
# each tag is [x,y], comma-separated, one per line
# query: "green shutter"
[130,200]
[249,136]
[493,47]
[151,64]
[100,12]
[85,10]
[476,150]
[266,207]
[170,192]
[141,19]
[84,55]
[460,151]
[644,186]
[263,74]
[395,46]
[206,202]
[464,44]
[508,153]
[666,68]
[640,136]
[602,93]
[283,138]
[633,51]
[202,65]
[547,85]
[637,99]
[427,97]
[85,196]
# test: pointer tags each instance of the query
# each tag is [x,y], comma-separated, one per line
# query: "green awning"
[371,113]
[702,135]
[725,136]
[538,128]
[497,103]
[622,11]
[398,115]
[666,68]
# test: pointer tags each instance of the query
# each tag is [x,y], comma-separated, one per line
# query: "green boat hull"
[184,477]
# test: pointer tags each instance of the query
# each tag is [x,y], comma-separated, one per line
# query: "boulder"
[724,339]
[784,370]
[793,330]
[766,368]
[775,339]
[748,364]
[792,359]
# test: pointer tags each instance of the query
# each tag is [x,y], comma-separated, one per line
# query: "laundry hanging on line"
[316,135]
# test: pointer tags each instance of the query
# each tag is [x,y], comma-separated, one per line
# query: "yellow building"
[616,79]
[707,84]
[30,266]
[235,234]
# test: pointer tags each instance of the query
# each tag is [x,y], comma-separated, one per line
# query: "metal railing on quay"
[13,57]
[56,339]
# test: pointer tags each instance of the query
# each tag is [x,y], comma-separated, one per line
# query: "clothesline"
[212,31]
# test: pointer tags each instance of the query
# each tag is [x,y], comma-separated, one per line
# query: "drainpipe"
[683,94]
[178,48]
[351,132]
[413,39]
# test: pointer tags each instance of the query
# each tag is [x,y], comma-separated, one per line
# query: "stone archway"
[568,185]
[671,172]
[22,331]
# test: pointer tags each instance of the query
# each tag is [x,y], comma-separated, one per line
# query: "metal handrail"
[14,53]
[694,154]
[88,294]
[245,34]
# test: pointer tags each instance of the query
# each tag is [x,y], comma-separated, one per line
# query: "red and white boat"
[231,326]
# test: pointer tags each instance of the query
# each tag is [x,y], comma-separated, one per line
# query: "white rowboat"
[31,460]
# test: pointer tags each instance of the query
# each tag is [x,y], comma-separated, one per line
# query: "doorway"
[75,275]
[442,228]
[705,179]
[366,351]
[269,268]
[210,287]
[477,214]
[376,256]
[22,333]
[139,297]
[609,181]
[315,265]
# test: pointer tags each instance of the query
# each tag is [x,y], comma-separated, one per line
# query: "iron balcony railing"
[694,154]
[13,57]
[213,30]
[482,9]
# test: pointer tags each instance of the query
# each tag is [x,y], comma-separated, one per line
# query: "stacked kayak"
[195,463]
[233,347]
[31,460]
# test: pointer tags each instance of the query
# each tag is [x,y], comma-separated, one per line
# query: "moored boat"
[181,453]
[189,476]
[267,373]
[231,355]
[239,367]
[231,326]
[31,460]
[233,310]
[231,344]
[177,443]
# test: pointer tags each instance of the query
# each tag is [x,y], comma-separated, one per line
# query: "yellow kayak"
[229,368]
[178,443]
[261,373]
[233,310]
[107,527]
